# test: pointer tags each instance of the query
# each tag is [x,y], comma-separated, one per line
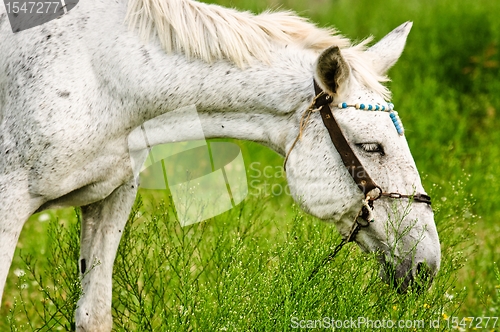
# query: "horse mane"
[211,32]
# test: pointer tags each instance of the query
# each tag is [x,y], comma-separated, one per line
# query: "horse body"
[73,89]
[80,104]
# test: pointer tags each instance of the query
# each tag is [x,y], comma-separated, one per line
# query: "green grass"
[243,270]
[247,269]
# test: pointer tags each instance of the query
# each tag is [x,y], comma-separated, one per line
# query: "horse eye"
[372,148]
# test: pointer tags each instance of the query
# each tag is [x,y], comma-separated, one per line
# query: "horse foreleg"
[16,205]
[102,227]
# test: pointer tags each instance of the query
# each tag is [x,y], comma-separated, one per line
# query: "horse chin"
[402,274]
[405,276]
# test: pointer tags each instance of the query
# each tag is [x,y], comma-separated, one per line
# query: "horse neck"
[258,103]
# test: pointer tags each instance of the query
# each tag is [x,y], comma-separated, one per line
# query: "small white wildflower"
[19,272]
[44,217]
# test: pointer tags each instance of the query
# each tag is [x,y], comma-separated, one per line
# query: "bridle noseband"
[370,189]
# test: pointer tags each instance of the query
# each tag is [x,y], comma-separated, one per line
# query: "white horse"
[73,89]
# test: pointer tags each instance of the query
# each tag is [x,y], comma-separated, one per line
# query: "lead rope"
[356,226]
[330,257]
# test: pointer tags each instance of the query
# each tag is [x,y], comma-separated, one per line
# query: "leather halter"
[370,189]
[351,162]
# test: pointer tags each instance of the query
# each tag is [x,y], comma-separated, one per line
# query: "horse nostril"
[423,271]
[423,277]
[407,276]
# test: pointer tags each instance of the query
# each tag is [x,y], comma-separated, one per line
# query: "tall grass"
[237,271]
[244,270]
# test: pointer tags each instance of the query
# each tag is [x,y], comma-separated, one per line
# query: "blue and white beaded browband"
[389,108]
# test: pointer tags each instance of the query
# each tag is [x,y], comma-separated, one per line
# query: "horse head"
[395,220]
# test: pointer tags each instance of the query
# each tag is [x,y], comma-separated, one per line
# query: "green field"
[248,268]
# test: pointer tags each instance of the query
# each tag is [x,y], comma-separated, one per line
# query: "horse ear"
[332,71]
[388,50]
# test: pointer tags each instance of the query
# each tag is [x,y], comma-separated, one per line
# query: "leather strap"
[349,158]
[421,198]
